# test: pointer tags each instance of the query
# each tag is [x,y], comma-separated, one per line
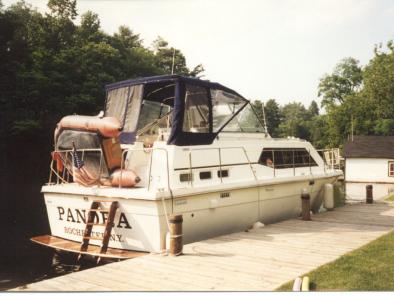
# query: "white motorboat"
[198,149]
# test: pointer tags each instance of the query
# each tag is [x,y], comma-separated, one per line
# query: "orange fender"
[109,127]
[125,178]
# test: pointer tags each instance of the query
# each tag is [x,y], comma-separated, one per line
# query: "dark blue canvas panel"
[177,114]
[170,79]
[191,139]
[127,137]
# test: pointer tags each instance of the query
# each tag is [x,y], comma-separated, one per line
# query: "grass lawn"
[369,268]
[390,198]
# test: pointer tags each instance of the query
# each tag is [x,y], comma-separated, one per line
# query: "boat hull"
[140,224]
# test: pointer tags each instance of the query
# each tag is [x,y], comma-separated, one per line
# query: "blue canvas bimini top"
[197,106]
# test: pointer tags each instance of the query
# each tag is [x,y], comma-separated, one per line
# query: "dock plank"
[257,260]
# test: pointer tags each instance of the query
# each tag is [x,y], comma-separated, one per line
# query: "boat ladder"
[95,208]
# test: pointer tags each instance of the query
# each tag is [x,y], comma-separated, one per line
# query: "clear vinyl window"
[224,106]
[196,116]
[246,121]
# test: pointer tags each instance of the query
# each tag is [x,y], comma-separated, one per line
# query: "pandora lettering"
[80,216]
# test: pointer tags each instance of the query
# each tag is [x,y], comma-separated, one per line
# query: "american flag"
[80,174]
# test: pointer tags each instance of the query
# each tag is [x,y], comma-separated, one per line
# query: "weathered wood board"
[75,247]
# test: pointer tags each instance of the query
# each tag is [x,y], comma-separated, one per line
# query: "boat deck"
[257,260]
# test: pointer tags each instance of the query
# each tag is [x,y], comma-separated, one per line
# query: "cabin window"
[222,173]
[186,177]
[196,117]
[205,175]
[283,158]
[391,168]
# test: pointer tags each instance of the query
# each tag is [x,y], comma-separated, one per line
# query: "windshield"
[246,121]
[153,117]
[224,106]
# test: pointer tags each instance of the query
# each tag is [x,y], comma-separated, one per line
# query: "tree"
[171,60]
[294,121]
[384,127]
[379,83]
[273,117]
[125,39]
[313,109]
[318,130]
[63,8]
[365,105]
[89,30]
[345,80]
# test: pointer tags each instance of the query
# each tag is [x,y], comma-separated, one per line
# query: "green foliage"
[294,121]
[318,127]
[50,67]
[89,30]
[390,198]
[360,99]
[273,117]
[344,81]
[379,83]
[172,60]
[313,109]
[63,8]
[384,127]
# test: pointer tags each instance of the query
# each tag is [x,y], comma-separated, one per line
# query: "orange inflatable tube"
[124,178]
[109,127]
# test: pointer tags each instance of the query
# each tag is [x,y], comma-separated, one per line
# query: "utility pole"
[352,128]
[173,62]
[265,121]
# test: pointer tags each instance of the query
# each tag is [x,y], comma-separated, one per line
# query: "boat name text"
[79,216]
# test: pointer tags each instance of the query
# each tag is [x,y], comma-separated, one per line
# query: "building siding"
[367,170]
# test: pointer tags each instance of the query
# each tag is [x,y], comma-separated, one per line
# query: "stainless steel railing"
[331,157]
[66,173]
[219,149]
[64,176]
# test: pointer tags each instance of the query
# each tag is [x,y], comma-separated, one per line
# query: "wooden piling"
[369,189]
[176,244]
[306,206]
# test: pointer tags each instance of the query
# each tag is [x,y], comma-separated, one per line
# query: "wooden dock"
[258,260]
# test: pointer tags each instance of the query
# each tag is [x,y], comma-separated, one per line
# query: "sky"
[263,49]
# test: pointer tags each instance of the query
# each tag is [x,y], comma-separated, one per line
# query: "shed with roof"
[370,159]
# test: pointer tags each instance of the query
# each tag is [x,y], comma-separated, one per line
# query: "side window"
[223,174]
[283,158]
[205,175]
[196,118]
[185,177]
[303,158]
[391,168]
[267,158]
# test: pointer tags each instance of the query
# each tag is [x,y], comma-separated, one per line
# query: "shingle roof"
[370,147]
